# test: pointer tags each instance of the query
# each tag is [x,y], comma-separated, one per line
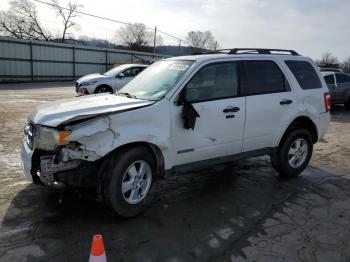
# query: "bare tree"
[22,21]
[136,36]
[328,59]
[67,15]
[201,39]
[346,65]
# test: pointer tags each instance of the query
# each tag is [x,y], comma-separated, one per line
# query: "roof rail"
[264,51]
[261,51]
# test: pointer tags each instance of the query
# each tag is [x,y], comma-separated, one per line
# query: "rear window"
[342,78]
[263,77]
[329,79]
[305,74]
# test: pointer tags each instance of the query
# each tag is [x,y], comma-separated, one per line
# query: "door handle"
[231,109]
[286,102]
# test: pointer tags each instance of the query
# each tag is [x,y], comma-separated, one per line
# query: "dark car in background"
[339,87]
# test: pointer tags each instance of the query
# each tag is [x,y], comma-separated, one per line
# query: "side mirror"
[182,97]
[121,75]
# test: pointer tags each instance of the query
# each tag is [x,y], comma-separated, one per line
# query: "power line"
[112,20]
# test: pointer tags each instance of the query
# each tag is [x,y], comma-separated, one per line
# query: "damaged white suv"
[180,114]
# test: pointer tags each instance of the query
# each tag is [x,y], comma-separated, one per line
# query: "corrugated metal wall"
[24,60]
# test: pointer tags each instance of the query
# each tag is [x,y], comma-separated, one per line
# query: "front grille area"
[76,87]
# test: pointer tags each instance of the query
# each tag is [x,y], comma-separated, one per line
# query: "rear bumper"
[323,124]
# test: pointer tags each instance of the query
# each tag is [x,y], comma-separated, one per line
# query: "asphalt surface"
[243,212]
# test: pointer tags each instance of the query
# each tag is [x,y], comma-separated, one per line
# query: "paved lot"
[242,213]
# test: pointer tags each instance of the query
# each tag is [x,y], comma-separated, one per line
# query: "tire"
[115,175]
[299,142]
[347,105]
[103,89]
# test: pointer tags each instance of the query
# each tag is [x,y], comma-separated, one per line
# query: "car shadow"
[194,217]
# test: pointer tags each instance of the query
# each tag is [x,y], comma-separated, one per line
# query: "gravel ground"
[240,213]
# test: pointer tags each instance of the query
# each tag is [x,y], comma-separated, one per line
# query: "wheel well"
[305,123]
[102,86]
[152,148]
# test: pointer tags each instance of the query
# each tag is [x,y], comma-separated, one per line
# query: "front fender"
[104,134]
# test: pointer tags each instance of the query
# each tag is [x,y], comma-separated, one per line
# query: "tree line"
[328,60]
[22,21]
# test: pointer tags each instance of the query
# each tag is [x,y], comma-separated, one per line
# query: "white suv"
[180,114]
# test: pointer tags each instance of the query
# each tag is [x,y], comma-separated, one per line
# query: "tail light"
[327,101]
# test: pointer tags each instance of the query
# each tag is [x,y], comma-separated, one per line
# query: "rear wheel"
[293,154]
[347,104]
[103,89]
[127,179]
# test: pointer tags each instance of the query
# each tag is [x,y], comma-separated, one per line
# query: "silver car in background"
[108,82]
[339,87]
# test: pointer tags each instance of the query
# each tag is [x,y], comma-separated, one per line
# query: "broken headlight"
[48,138]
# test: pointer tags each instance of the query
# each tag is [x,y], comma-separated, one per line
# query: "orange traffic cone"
[97,253]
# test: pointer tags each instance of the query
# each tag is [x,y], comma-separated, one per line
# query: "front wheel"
[293,154]
[103,89]
[128,180]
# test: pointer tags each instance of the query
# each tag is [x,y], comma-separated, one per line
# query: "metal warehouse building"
[24,60]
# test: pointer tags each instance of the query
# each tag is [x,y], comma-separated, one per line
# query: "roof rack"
[261,51]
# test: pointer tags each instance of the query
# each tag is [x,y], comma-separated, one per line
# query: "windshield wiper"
[127,94]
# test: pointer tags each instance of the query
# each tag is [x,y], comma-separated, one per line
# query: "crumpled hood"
[91,77]
[57,112]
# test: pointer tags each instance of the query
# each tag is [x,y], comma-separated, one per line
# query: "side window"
[131,72]
[342,78]
[305,74]
[214,81]
[329,79]
[263,77]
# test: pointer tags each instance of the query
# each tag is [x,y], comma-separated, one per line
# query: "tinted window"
[263,77]
[305,74]
[329,80]
[342,78]
[132,72]
[215,81]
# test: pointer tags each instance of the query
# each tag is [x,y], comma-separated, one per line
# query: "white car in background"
[108,82]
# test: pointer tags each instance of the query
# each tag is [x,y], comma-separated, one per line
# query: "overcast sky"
[310,27]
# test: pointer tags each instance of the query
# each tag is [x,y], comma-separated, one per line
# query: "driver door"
[125,77]
[218,131]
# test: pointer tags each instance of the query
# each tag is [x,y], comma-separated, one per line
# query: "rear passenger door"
[269,103]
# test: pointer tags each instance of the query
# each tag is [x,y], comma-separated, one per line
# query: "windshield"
[114,71]
[155,81]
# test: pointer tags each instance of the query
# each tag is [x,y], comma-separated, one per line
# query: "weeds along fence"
[25,60]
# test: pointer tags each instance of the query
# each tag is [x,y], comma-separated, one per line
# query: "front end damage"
[77,163]
[49,169]
[66,140]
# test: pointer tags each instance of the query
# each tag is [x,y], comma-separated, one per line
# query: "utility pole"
[216,45]
[178,52]
[154,41]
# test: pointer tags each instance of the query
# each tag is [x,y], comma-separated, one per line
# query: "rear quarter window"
[329,79]
[305,74]
[342,78]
